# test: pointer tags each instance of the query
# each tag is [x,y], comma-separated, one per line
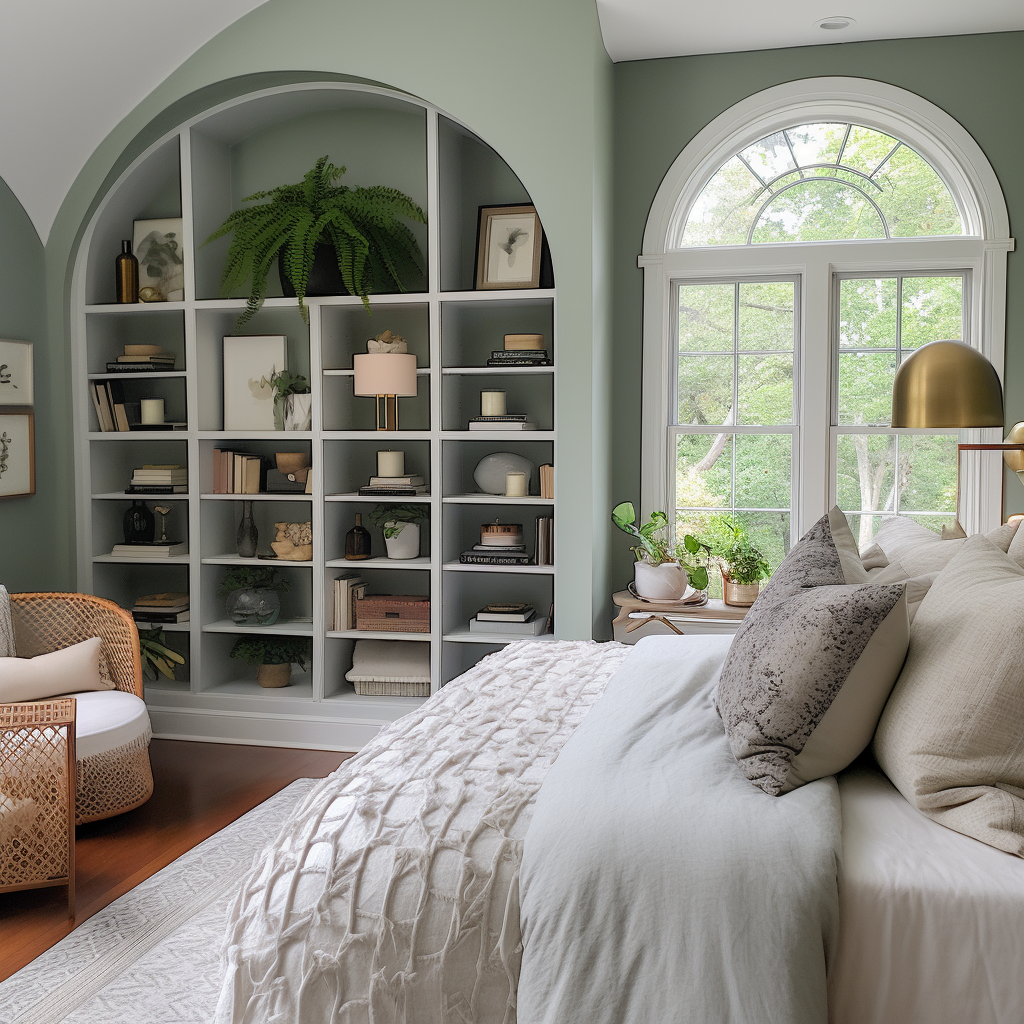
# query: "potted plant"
[400,526]
[156,656]
[359,230]
[663,568]
[253,595]
[274,655]
[742,565]
[293,403]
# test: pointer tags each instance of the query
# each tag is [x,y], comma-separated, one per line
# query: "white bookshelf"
[200,172]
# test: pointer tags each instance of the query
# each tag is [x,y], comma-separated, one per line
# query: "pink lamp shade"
[384,373]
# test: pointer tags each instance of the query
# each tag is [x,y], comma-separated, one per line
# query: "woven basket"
[376,688]
[393,613]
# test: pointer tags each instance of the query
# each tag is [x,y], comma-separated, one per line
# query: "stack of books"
[500,544]
[151,549]
[516,619]
[157,608]
[547,481]
[142,359]
[347,590]
[159,480]
[113,412]
[519,357]
[545,547]
[511,421]
[237,472]
[394,486]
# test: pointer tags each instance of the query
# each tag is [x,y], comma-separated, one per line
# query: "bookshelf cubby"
[200,172]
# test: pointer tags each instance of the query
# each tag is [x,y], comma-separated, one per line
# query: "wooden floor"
[199,788]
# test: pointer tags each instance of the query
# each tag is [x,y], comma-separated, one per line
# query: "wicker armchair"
[114,780]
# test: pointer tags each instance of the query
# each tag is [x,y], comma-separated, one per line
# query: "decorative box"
[394,613]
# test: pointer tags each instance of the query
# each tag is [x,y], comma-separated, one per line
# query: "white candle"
[152,410]
[390,463]
[515,485]
[492,403]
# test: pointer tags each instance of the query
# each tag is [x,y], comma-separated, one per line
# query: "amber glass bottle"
[126,274]
[357,541]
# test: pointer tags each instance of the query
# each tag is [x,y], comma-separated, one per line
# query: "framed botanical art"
[157,246]
[249,363]
[508,251]
[17,452]
[15,373]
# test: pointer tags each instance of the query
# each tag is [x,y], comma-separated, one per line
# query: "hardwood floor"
[199,788]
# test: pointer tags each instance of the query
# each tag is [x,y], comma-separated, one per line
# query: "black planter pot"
[324,278]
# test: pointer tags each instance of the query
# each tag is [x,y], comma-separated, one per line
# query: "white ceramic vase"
[665,582]
[405,543]
[298,412]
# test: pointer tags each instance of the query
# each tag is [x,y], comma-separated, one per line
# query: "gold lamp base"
[387,412]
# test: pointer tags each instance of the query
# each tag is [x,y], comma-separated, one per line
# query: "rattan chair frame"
[37,762]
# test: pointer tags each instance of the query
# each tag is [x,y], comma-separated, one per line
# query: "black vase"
[324,278]
[139,524]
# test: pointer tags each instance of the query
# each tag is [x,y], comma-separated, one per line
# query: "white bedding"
[931,921]
[657,883]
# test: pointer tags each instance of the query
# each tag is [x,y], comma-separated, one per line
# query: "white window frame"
[981,251]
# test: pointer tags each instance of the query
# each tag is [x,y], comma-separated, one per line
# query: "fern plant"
[373,246]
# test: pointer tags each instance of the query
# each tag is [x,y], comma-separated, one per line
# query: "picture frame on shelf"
[157,247]
[17,452]
[15,373]
[509,243]
[250,361]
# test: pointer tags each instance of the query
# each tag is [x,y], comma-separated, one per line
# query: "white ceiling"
[70,70]
[640,29]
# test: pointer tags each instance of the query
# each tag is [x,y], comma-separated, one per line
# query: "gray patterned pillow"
[812,665]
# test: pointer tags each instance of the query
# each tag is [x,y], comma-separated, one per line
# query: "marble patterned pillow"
[812,665]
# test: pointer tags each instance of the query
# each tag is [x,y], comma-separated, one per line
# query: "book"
[150,550]
[498,558]
[145,615]
[396,481]
[510,417]
[143,475]
[512,548]
[502,355]
[156,489]
[534,627]
[544,541]
[169,602]
[347,589]
[392,492]
[547,481]
[165,357]
[523,342]
[139,367]
[505,613]
[474,425]
[519,362]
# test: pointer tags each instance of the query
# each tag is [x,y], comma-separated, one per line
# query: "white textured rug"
[152,956]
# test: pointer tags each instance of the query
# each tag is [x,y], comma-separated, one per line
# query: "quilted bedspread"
[392,893]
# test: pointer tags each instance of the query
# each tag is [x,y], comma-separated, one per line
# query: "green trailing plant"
[738,557]
[272,650]
[366,226]
[156,656]
[244,578]
[655,546]
[285,383]
[396,516]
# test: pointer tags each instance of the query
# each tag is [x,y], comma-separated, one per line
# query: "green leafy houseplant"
[730,545]
[285,383]
[373,246]
[396,516]
[272,650]
[655,547]
[156,657]
[244,578]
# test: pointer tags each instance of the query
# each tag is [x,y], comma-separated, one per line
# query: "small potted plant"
[293,404]
[156,656]
[400,526]
[743,566]
[663,569]
[253,595]
[274,656]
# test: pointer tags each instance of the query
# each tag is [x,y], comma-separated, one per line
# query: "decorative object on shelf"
[663,568]
[501,535]
[139,524]
[390,464]
[247,536]
[153,411]
[508,247]
[491,470]
[373,249]
[357,541]
[253,595]
[291,475]
[162,511]
[250,363]
[742,565]
[161,272]
[156,655]
[293,404]
[142,359]
[274,655]
[348,588]
[400,526]
[170,608]
[294,542]
[544,553]
[515,484]
[387,343]
[16,387]
[524,342]
[390,668]
[126,274]
[547,480]
[386,376]
[17,452]
[500,544]
[393,613]
[492,403]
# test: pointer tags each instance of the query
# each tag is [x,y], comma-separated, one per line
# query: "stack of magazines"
[161,608]
[516,619]
[394,486]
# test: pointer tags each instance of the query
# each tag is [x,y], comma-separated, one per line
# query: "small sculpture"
[387,342]
[294,542]
[163,511]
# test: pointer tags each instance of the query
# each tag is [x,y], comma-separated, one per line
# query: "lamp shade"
[384,373]
[947,384]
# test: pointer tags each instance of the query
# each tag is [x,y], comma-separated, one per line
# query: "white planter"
[298,412]
[665,582]
[405,543]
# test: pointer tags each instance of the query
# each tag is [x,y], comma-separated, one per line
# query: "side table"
[664,619]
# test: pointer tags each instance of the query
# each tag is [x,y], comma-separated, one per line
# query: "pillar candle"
[390,463]
[492,403]
[515,485]
[152,410]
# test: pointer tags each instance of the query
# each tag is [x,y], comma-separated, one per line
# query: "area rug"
[152,956]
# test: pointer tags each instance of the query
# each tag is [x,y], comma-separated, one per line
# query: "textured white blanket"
[658,884]
[392,893]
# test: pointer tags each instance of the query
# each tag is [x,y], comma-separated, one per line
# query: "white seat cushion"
[108,719]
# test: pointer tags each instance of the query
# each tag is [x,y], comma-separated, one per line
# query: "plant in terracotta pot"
[743,565]
[359,231]
[663,568]
[274,656]
[400,526]
[253,595]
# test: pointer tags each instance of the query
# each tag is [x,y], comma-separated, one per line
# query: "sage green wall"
[661,104]
[32,533]
[532,79]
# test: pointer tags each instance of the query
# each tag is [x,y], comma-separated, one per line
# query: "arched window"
[799,247]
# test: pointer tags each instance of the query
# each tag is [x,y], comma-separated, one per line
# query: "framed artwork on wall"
[15,373]
[249,363]
[157,246]
[17,452]
[508,251]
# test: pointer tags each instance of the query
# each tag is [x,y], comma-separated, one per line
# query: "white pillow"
[921,551]
[69,670]
[389,661]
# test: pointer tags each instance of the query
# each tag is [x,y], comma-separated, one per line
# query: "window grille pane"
[930,473]
[705,389]
[706,314]
[766,316]
[763,470]
[868,313]
[866,149]
[865,472]
[818,210]
[865,387]
[932,310]
[765,389]
[704,471]
[914,199]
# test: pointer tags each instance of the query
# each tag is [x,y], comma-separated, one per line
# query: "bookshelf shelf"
[283,627]
[504,371]
[381,563]
[261,496]
[524,570]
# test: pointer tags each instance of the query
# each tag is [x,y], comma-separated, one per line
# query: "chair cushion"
[107,720]
[73,668]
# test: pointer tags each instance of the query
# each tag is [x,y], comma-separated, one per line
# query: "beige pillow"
[389,661]
[70,670]
[920,551]
[951,737]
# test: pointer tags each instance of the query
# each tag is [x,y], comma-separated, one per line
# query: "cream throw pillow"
[920,551]
[951,737]
[389,661]
[70,670]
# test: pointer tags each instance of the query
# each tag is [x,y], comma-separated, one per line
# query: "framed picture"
[157,247]
[249,361]
[17,452]
[508,247]
[15,373]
